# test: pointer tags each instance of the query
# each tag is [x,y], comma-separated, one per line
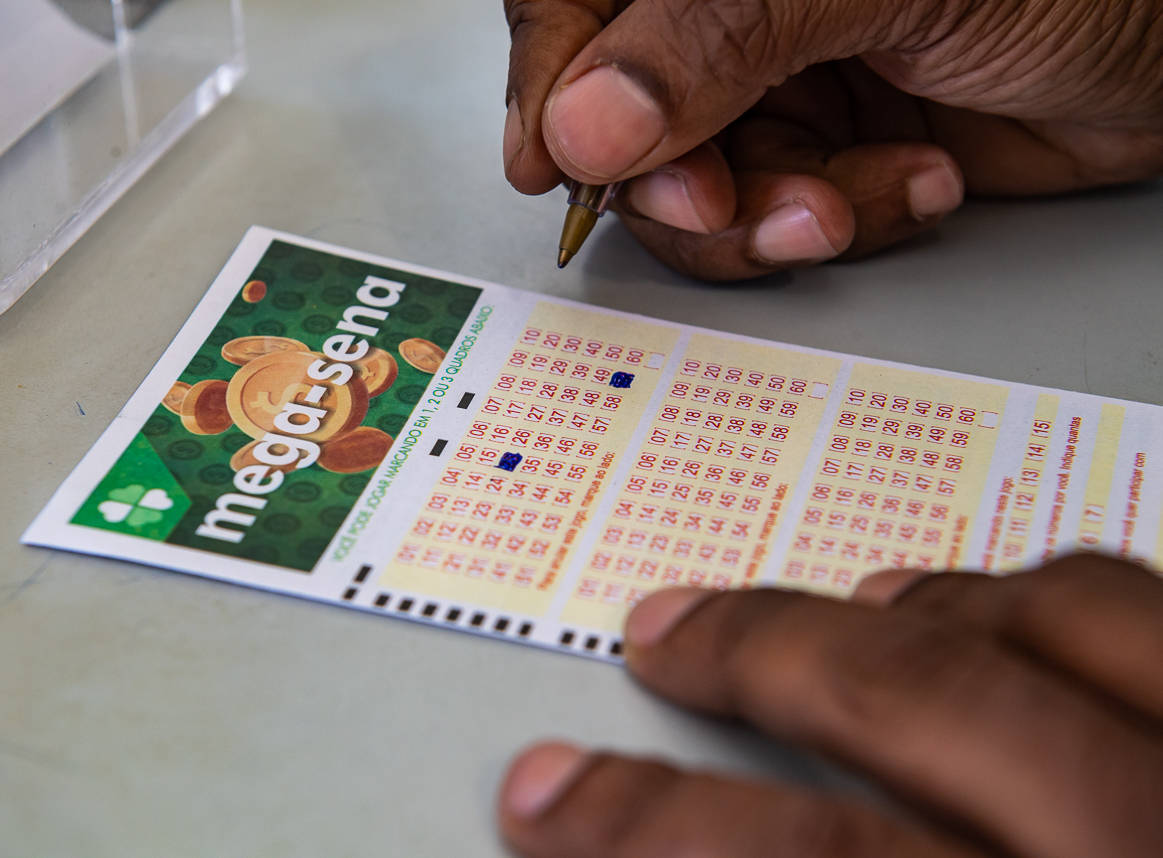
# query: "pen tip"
[563,258]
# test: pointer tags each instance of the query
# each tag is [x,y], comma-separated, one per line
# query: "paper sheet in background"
[547,463]
[44,58]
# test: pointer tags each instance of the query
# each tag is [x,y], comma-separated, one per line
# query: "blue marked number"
[509,461]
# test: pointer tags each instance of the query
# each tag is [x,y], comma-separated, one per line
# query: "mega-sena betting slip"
[377,435]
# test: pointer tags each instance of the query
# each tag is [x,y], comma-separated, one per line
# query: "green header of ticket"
[269,435]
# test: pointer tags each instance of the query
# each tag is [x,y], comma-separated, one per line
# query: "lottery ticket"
[381,436]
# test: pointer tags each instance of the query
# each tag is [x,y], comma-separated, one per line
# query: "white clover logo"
[135,505]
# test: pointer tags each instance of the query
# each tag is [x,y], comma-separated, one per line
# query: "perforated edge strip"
[494,623]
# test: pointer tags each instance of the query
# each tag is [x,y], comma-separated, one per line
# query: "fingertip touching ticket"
[377,435]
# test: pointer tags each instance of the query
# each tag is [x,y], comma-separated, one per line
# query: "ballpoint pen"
[587,203]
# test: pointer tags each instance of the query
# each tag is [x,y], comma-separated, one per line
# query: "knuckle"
[1083,566]
[748,626]
[735,39]
[687,254]
[688,257]
[555,16]
[943,593]
[721,258]
[545,35]
[1065,584]
[873,676]
[1032,599]
[1046,596]
[519,13]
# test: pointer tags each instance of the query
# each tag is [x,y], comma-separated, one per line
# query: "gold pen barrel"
[587,203]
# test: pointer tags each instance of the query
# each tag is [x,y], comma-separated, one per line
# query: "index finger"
[934,709]
[546,35]
[1097,617]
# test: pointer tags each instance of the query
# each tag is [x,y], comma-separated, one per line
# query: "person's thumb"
[665,75]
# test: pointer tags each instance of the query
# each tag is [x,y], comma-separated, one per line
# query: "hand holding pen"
[754,136]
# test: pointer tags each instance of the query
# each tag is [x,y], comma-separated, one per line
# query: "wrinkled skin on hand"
[1018,717]
[762,134]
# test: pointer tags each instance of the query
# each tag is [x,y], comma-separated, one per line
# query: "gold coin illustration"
[261,388]
[243,349]
[424,355]
[357,451]
[378,369]
[254,291]
[204,409]
[244,457]
[173,399]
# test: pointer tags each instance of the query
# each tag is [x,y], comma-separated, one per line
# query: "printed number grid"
[1008,544]
[898,483]
[709,482]
[509,505]
[1028,517]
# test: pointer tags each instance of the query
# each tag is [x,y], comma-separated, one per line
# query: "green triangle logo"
[139,496]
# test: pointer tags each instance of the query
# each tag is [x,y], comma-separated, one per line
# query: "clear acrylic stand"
[158,66]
